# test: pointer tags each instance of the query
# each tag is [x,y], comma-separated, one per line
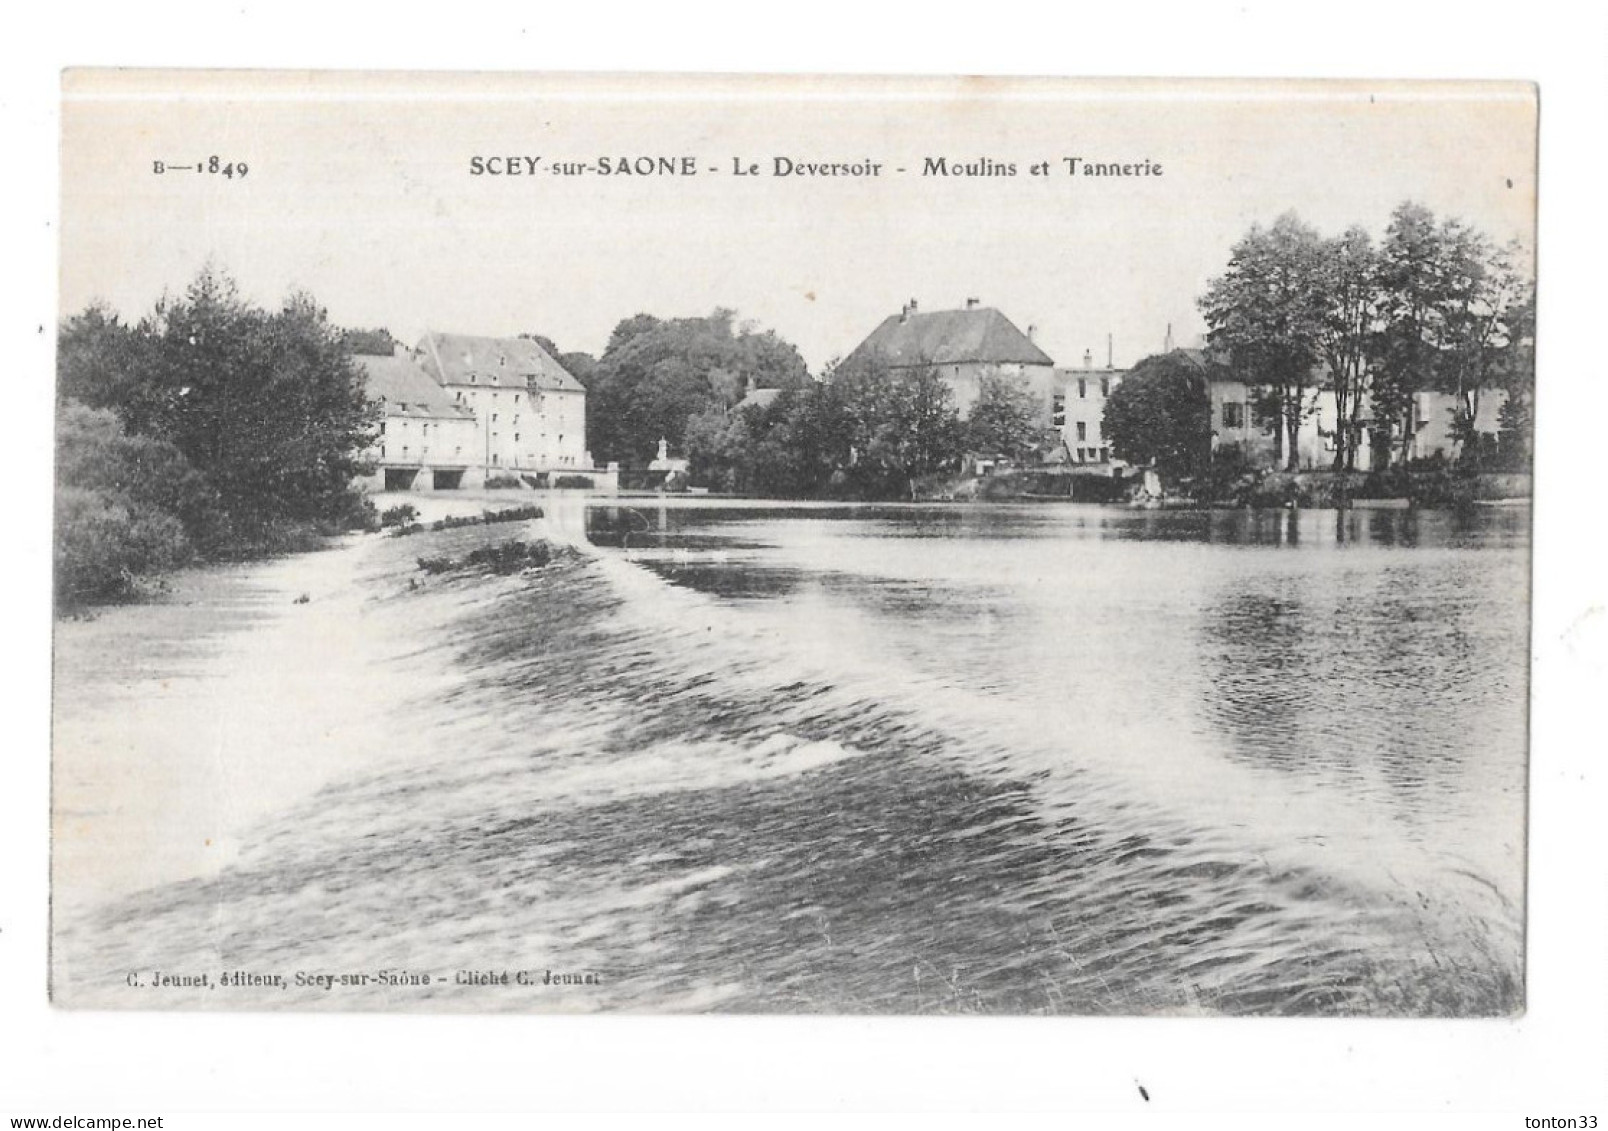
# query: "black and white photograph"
[790,545]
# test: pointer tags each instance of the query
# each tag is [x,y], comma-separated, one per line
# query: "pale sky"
[359,191]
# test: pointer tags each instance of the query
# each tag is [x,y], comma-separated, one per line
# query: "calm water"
[906,759]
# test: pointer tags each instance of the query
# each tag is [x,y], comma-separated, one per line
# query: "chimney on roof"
[1088,359]
[1168,346]
[972,303]
[1032,333]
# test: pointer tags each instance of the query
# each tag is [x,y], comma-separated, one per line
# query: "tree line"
[861,432]
[864,432]
[1433,306]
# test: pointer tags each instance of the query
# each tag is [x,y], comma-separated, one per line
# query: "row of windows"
[1083,387]
[1093,455]
[496,457]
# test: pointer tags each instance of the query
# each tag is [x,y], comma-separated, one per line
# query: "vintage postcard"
[792,545]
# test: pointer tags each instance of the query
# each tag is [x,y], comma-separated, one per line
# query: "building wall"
[965,382]
[1232,423]
[1315,439]
[1432,420]
[420,445]
[526,430]
[1077,411]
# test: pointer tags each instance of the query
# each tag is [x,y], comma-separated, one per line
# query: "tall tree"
[1450,305]
[1349,269]
[902,425]
[1006,420]
[1161,415]
[1267,312]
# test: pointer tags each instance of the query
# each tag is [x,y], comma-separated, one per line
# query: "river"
[959,758]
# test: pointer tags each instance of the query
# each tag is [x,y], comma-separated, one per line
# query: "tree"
[268,407]
[1161,414]
[1517,376]
[126,506]
[1267,314]
[1454,313]
[103,362]
[657,374]
[1006,420]
[377,342]
[902,425]
[1349,279]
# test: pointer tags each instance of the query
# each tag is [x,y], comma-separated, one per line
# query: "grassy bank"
[1437,486]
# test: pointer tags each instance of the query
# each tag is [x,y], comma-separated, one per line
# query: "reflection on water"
[1039,758]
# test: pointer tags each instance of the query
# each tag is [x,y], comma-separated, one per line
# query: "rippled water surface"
[906,759]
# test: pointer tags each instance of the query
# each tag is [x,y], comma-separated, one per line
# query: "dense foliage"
[233,429]
[867,432]
[1266,314]
[1007,421]
[1433,307]
[127,507]
[1161,415]
[657,374]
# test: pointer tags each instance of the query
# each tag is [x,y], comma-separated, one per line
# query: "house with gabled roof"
[530,410]
[426,439]
[962,347]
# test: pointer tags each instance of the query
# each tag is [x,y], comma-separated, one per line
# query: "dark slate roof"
[949,337]
[518,363]
[406,389]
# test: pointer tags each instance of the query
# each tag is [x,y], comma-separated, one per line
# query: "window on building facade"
[1233,414]
[1105,386]
[1058,410]
[1083,430]
[1105,454]
[1083,388]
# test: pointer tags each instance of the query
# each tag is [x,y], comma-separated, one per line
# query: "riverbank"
[1434,487]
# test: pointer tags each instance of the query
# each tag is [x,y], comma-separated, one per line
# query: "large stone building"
[426,440]
[458,410]
[531,412]
[962,347]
